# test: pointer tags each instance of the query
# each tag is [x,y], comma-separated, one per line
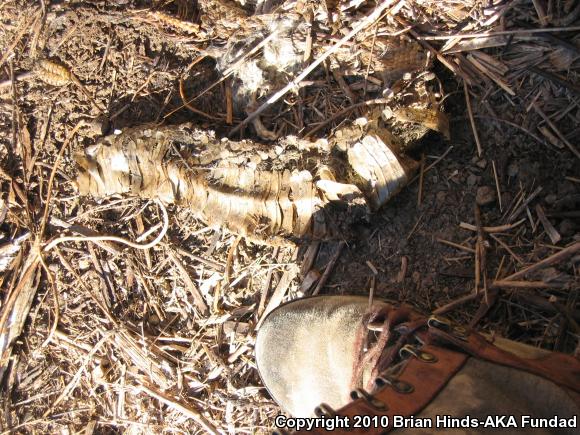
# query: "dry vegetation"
[121,314]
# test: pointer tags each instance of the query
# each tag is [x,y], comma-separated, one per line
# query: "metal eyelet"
[359,393]
[427,357]
[417,353]
[439,323]
[399,386]
[446,326]
[408,349]
[375,326]
[324,410]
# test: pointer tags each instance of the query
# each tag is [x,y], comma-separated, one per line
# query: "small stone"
[416,277]
[567,227]
[566,188]
[387,113]
[485,195]
[481,163]
[388,93]
[429,76]
[472,180]
[513,169]
[256,159]
[153,319]
[550,199]
[84,264]
[361,122]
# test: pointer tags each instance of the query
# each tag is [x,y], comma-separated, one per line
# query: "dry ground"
[114,341]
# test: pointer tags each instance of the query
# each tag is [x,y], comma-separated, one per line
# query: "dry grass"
[96,334]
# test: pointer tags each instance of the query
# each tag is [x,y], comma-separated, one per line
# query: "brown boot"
[398,363]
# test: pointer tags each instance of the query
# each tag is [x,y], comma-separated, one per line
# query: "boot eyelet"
[359,393]
[399,386]
[375,326]
[439,323]
[419,354]
[427,357]
[402,387]
[324,410]
[408,349]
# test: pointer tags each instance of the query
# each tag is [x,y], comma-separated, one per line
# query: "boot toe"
[305,351]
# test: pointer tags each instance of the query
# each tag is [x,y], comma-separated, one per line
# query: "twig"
[188,411]
[197,296]
[344,112]
[117,239]
[552,259]
[278,295]
[498,229]
[328,269]
[25,28]
[457,302]
[504,283]
[471,120]
[226,73]
[507,248]
[500,33]
[480,256]
[421,174]
[51,178]
[510,123]
[368,20]
[524,204]
[230,258]
[187,104]
[497,185]
[555,237]
[556,130]
[432,165]
[456,245]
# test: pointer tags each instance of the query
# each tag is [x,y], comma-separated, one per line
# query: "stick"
[344,112]
[459,301]
[498,229]
[471,120]
[497,185]
[456,245]
[328,269]
[523,206]
[552,259]
[504,283]
[501,33]
[555,237]
[421,174]
[370,19]
[432,165]
[188,411]
[558,132]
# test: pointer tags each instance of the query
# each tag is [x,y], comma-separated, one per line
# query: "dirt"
[131,69]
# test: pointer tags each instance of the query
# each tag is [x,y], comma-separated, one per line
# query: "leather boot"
[339,351]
